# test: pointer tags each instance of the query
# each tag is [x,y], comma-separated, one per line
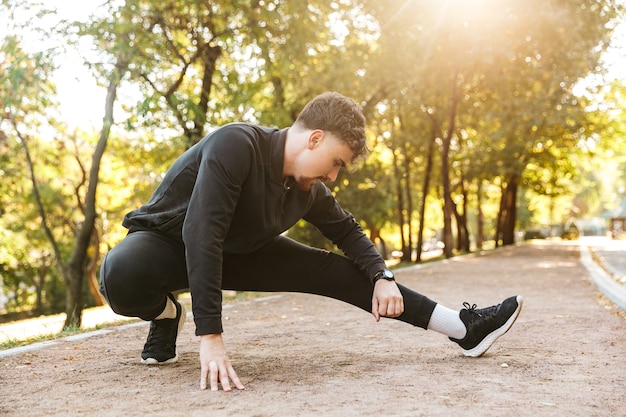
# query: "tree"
[77,265]
[25,98]
[199,63]
[27,101]
[540,121]
[503,71]
[364,193]
[602,163]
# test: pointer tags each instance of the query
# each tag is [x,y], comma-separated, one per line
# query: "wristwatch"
[383,274]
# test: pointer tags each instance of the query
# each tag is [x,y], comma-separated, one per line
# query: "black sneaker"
[160,347]
[485,325]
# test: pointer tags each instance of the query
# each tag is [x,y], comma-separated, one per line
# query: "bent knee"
[121,287]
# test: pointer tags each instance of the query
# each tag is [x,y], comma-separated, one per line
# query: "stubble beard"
[305,184]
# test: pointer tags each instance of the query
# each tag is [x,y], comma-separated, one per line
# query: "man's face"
[325,156]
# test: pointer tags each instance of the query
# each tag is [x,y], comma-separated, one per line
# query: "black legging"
[140,271]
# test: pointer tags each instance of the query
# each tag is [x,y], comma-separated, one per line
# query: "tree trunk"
[461,220]
[409,202]
[73,298]
[480,218]
[447,199]
[462,234]
[499,219]
[425,188]
[92,267]
[77,264]
[510,200]
[209,61]
[400,204]
[445,169]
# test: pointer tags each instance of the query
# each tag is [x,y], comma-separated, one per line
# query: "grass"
[70,331]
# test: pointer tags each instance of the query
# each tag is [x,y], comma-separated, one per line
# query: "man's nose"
[332,175]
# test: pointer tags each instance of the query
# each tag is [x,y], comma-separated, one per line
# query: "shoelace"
[472,308]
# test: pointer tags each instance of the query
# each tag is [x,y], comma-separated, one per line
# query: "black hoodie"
[227,194]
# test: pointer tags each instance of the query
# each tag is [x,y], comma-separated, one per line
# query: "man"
[215,222]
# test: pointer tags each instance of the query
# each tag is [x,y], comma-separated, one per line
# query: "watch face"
[386,274]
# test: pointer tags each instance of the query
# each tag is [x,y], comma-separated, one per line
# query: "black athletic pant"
[140,271]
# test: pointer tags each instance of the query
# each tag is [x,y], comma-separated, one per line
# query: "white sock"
[169,312]
[447,322]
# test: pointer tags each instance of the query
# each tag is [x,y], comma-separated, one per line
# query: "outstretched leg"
[288,266]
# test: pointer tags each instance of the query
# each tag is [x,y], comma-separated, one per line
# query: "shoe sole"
[486,343]
[181,322]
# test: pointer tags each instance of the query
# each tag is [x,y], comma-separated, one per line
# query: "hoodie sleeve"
[223,166]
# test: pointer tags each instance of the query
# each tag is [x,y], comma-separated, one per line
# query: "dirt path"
[302,355]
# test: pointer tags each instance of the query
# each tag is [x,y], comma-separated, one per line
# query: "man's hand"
[215,365]
[387,300]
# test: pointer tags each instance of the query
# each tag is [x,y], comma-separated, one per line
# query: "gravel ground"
[303,355]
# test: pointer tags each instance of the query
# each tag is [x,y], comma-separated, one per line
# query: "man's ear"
[315,138]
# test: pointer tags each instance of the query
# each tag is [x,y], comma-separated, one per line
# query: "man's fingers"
[382,309]
[391,309]
[204,374]
[235,378]
[387,308]
[375,309]
[213,369]
[395,308]
[220,375]
[224,379]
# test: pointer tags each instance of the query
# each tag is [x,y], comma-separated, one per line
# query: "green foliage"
[26,95]
[603,182]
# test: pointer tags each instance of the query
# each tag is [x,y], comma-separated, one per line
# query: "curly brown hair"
[339,115]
